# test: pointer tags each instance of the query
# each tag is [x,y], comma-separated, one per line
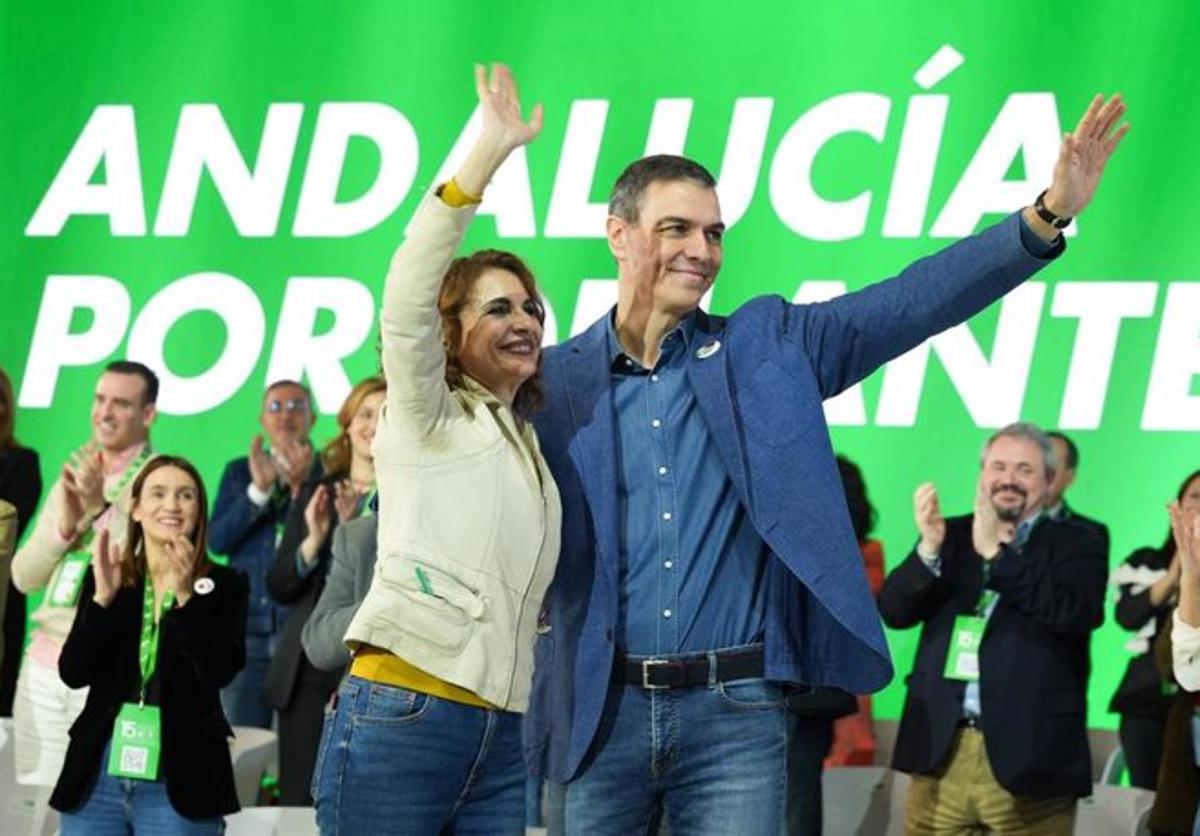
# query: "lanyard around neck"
[148,648]
[128,473]
[365,507]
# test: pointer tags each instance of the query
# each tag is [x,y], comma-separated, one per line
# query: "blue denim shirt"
[691,564]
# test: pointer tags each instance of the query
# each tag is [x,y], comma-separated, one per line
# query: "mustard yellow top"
[377,665]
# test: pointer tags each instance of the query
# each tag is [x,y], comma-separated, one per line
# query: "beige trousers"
[968,799]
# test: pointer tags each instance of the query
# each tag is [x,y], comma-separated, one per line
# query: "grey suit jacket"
[354,551]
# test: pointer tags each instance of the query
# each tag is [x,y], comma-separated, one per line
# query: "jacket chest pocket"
[475,480]
[773,405]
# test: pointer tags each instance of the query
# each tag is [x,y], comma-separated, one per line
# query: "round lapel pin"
[203,586]
[708,350]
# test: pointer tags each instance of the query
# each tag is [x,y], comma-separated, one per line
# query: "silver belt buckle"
[646,674]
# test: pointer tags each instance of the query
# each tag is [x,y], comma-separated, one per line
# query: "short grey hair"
[625,202]
[1029,432]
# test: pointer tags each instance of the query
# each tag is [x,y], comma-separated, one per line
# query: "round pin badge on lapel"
[708,350]
[203,586]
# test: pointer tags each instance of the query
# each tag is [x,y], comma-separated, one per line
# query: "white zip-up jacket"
[469,514]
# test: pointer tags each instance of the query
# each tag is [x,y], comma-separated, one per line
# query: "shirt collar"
[486,396]
[115,465]
[617,354]
[478,390]
[1021,535]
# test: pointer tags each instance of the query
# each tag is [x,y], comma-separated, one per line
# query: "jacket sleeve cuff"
[1037,246]
[303,568]
[257,497]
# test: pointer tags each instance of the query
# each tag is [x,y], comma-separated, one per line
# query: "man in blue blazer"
[708,566]
[249,512]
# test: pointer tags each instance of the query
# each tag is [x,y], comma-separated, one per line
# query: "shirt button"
[654,378]
[666,613]
[667,516]
[662,471]
[668,564]
[656,423]
[628,361]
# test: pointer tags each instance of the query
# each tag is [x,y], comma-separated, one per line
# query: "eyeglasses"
[291,405]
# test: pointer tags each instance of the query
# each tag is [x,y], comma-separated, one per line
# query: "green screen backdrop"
[216,188]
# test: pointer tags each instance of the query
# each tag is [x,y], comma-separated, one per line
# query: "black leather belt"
[687,671]
[969,722]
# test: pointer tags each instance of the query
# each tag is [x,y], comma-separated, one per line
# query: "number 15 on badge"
[135,743]
[962,657]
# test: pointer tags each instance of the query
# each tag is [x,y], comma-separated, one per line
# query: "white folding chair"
[251,750]
[1113,811]
[864,800]
[268,821]
[23,809]
[1101,744]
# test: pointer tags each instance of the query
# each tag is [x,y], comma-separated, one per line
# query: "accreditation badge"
[136,743]
[962,658]
[68,580]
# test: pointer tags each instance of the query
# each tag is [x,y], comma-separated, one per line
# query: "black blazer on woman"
[300,593]
[202,645]
[1141,690]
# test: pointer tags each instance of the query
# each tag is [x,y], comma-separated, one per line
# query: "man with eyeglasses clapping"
[247,519]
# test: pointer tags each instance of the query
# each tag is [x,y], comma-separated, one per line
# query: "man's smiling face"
[672,253]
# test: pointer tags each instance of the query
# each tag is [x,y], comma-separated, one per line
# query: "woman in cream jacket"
[425,736]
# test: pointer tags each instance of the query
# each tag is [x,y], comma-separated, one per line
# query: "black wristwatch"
[1046,215]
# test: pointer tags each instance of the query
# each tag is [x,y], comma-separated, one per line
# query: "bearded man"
[994,724]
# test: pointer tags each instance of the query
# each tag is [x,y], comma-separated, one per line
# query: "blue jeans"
[242,698]
[119,806]
[544,805]
[713,759]
[533,802]
[401,762]
[554,799]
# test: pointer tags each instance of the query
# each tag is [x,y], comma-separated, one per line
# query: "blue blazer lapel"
[708,367]
[593,447]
